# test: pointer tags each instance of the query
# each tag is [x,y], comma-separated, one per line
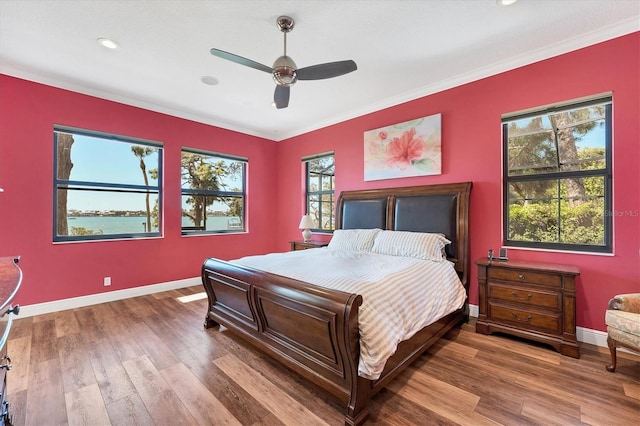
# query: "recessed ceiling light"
[207,79]
[108,43]
[506,2]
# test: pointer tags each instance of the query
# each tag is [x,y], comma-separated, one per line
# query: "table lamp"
[306,223]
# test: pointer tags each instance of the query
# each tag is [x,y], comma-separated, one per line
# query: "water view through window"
[105,186]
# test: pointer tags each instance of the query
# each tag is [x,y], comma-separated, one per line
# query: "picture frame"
[410,148]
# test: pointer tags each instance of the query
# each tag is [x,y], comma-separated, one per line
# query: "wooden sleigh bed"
[313,330]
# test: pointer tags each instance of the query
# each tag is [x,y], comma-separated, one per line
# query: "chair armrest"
[626,302]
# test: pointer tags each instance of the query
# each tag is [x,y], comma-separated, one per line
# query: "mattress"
[401,295]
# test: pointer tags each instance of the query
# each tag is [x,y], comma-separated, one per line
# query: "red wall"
[471,151]
[28,112]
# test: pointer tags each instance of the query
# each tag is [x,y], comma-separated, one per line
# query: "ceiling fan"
[285,72]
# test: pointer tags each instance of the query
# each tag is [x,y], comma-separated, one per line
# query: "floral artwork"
[407,149]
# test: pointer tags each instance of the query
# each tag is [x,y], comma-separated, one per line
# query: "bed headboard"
[440,208]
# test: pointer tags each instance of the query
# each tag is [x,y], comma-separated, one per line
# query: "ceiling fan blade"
[240,60]
[328,70]
[281,96]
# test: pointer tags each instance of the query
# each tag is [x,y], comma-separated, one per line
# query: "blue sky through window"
[102,160]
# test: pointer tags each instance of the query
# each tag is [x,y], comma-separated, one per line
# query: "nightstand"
[302,245]
[535,301]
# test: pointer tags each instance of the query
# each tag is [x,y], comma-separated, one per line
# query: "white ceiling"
[404,49]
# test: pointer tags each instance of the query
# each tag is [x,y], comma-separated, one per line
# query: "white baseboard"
[586,335]
[93,299]
[593,337]
[474,310]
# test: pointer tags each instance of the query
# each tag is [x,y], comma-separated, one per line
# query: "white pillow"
[353,239]
[420,245]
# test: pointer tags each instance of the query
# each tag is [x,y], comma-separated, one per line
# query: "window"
[557,177]
[105,186]
[213,193]
[320,172]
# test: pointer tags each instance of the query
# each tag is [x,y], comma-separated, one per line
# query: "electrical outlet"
[107,281]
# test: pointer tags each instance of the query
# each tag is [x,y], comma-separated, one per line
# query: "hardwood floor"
[148,360]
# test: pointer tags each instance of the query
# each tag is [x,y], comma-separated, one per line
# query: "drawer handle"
[521,277]
[521,319]
[515,296]
[6,364]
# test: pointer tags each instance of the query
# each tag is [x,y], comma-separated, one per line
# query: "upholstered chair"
[623,324]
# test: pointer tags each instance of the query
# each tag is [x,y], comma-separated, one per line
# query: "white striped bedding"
[400,295]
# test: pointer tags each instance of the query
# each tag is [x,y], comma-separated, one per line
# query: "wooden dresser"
[303,245]
[10,279]
[531,300]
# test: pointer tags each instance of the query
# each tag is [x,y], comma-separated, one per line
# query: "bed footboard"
[314,331]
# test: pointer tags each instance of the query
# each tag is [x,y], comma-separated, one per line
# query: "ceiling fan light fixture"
[284,71]
[506,2]
[284,76]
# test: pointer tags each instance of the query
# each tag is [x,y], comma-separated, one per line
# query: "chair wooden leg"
[612,349]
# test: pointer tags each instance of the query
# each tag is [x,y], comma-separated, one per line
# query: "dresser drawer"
[547,321]
[526,295]
[524,276]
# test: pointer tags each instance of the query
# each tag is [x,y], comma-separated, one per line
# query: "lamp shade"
[306,222]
